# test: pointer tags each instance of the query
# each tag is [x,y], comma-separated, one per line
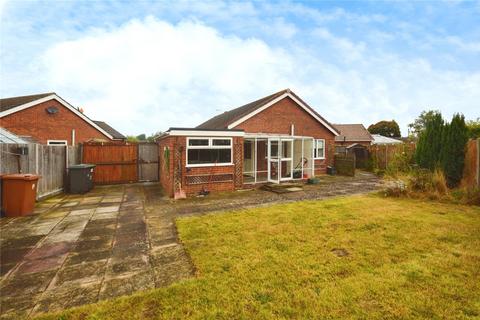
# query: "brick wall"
[169,172]
[41,126]
[279,118]
[166,165]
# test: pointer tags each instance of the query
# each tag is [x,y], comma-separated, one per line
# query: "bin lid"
[81,166]
[21,176]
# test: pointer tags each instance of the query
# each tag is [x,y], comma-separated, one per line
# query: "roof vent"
[51,110]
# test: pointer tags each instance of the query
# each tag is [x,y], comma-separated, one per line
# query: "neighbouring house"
[354,139]
[379,139]
[49,119]
[274,139]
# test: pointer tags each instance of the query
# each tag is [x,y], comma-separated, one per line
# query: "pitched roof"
[379,139]
[15,104]
[352,132]
[223,120]
[114,133]
[9,103]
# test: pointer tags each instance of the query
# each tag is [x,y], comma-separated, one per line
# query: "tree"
[419,124]
[452,156]
[142,137]
[386,129]
[473,127]
[427,153]
[132,139]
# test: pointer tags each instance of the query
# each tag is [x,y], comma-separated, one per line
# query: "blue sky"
[148,65]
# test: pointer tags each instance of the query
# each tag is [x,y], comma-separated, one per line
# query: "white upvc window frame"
[315,149]
[57,143]
[209,146]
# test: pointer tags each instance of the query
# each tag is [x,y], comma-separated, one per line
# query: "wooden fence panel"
[47,161]
[471,170]
[114,163]
[382,155]
[345,164]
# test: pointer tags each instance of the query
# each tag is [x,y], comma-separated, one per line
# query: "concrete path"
[116,240]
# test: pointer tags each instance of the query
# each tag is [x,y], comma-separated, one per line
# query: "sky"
[145,66]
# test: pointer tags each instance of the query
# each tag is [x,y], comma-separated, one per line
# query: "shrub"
[400,163]
[396,189]
[469,196]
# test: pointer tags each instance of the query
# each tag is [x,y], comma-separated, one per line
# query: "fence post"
[36,158]
[478,162]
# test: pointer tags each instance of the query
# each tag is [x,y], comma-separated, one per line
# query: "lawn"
[354,257]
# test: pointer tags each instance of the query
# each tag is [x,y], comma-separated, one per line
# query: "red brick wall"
[167,176]
[41,126]
[279,118]
[166,167]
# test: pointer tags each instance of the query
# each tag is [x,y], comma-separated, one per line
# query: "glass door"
[274,160]
[286,159]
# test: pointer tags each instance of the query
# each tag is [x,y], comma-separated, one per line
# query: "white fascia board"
[205,133]
[287,94]
[61,101]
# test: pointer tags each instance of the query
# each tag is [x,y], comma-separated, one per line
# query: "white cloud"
[148,75]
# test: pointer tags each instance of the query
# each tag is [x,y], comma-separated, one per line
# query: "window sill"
[209,165]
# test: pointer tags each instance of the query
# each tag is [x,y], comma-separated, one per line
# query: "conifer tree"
[427,154]
[452,156]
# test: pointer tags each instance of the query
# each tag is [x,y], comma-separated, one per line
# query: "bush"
[469,196]
[401,163]
[419,183]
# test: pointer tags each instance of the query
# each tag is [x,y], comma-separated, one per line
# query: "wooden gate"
[122,163]
[114,163]
[147,162]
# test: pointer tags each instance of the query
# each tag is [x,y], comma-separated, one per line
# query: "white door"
[286,159]
[273,160]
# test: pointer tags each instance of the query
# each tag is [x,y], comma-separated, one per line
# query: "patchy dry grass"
[355,257]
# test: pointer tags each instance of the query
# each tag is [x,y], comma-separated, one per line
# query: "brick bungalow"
[353,139]
[274,139]
[48,119]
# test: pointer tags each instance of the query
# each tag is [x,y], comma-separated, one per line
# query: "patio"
[81,249]
[116,240]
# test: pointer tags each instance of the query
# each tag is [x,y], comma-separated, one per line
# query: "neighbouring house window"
[209,151]
[319,150]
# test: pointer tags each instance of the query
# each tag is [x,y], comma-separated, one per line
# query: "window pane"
[209,156]
[286,149]
[319,149]
[274,149]
[221,142]
[198,142]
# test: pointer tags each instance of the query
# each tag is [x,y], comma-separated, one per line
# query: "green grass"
[407,259]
